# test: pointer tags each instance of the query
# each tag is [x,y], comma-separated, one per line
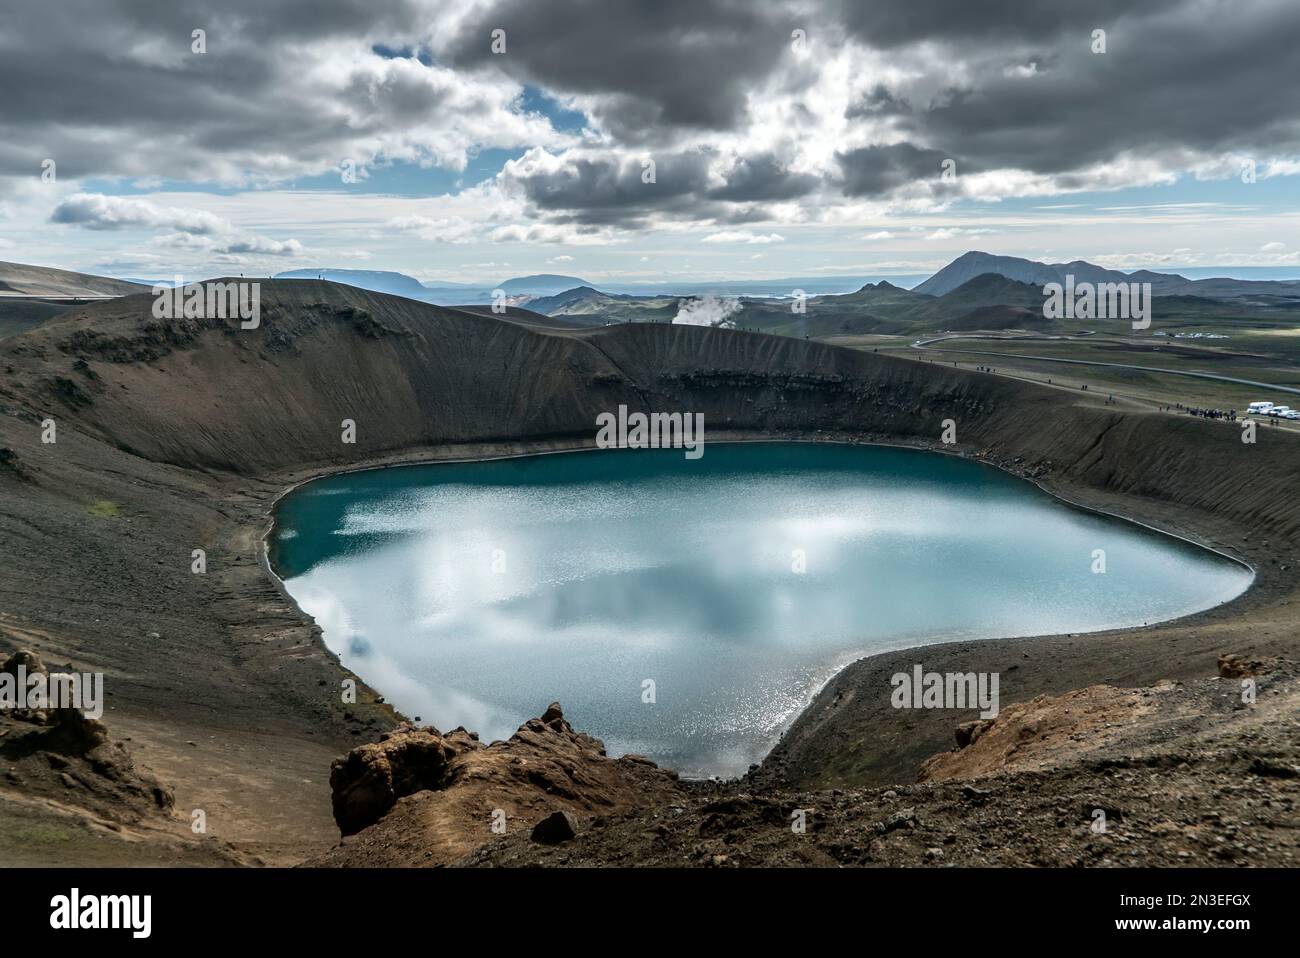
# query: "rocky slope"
[1177,774]
[21,279]
[174,436]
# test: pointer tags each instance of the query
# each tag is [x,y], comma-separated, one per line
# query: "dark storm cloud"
[1164,86]
[892,23]
[109,88]
[610,191]
[673,63]
[878,101]
[763,178]
[1178,79]
[877,170]
[126,61]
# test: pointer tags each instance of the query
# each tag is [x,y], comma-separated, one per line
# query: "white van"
[1278,411]
[1259,407]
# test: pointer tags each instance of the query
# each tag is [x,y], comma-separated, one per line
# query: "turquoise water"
[475,593]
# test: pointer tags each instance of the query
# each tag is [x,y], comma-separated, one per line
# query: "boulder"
[369,780]
[555,828]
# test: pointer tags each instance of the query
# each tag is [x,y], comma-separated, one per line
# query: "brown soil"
[453,790]
[1191,779]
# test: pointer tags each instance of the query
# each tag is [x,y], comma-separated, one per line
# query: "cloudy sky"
[674,140]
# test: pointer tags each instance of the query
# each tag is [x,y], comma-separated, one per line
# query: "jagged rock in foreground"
[1180,773]
[418,797]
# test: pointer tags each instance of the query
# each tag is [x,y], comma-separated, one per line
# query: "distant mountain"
[443,293]
[22,280]
[970,265]
[456,294]
[379,281]
[976,291]
[988,289]
[1266,294]
[448,293]
[877,297]
[986,301]
[1263,293]
[1284,273]
[440,292]
[542,284]
[590,305]
[568,298]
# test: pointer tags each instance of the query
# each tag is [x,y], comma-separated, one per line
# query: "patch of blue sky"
[563,120]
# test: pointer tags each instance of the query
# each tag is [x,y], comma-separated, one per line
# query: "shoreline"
[1060,497]
[836,671]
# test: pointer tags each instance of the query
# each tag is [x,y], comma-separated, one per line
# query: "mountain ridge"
[24,280]
[975,262]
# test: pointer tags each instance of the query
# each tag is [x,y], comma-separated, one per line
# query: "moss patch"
[104,509]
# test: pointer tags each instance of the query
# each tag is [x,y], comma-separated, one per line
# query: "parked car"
[1291,414]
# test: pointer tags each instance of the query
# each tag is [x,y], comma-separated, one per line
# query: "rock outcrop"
[419,797]
[1240,666]
[369,780]
[64,754]
[1040,732]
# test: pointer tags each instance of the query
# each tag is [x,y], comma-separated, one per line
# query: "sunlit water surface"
[475,593]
